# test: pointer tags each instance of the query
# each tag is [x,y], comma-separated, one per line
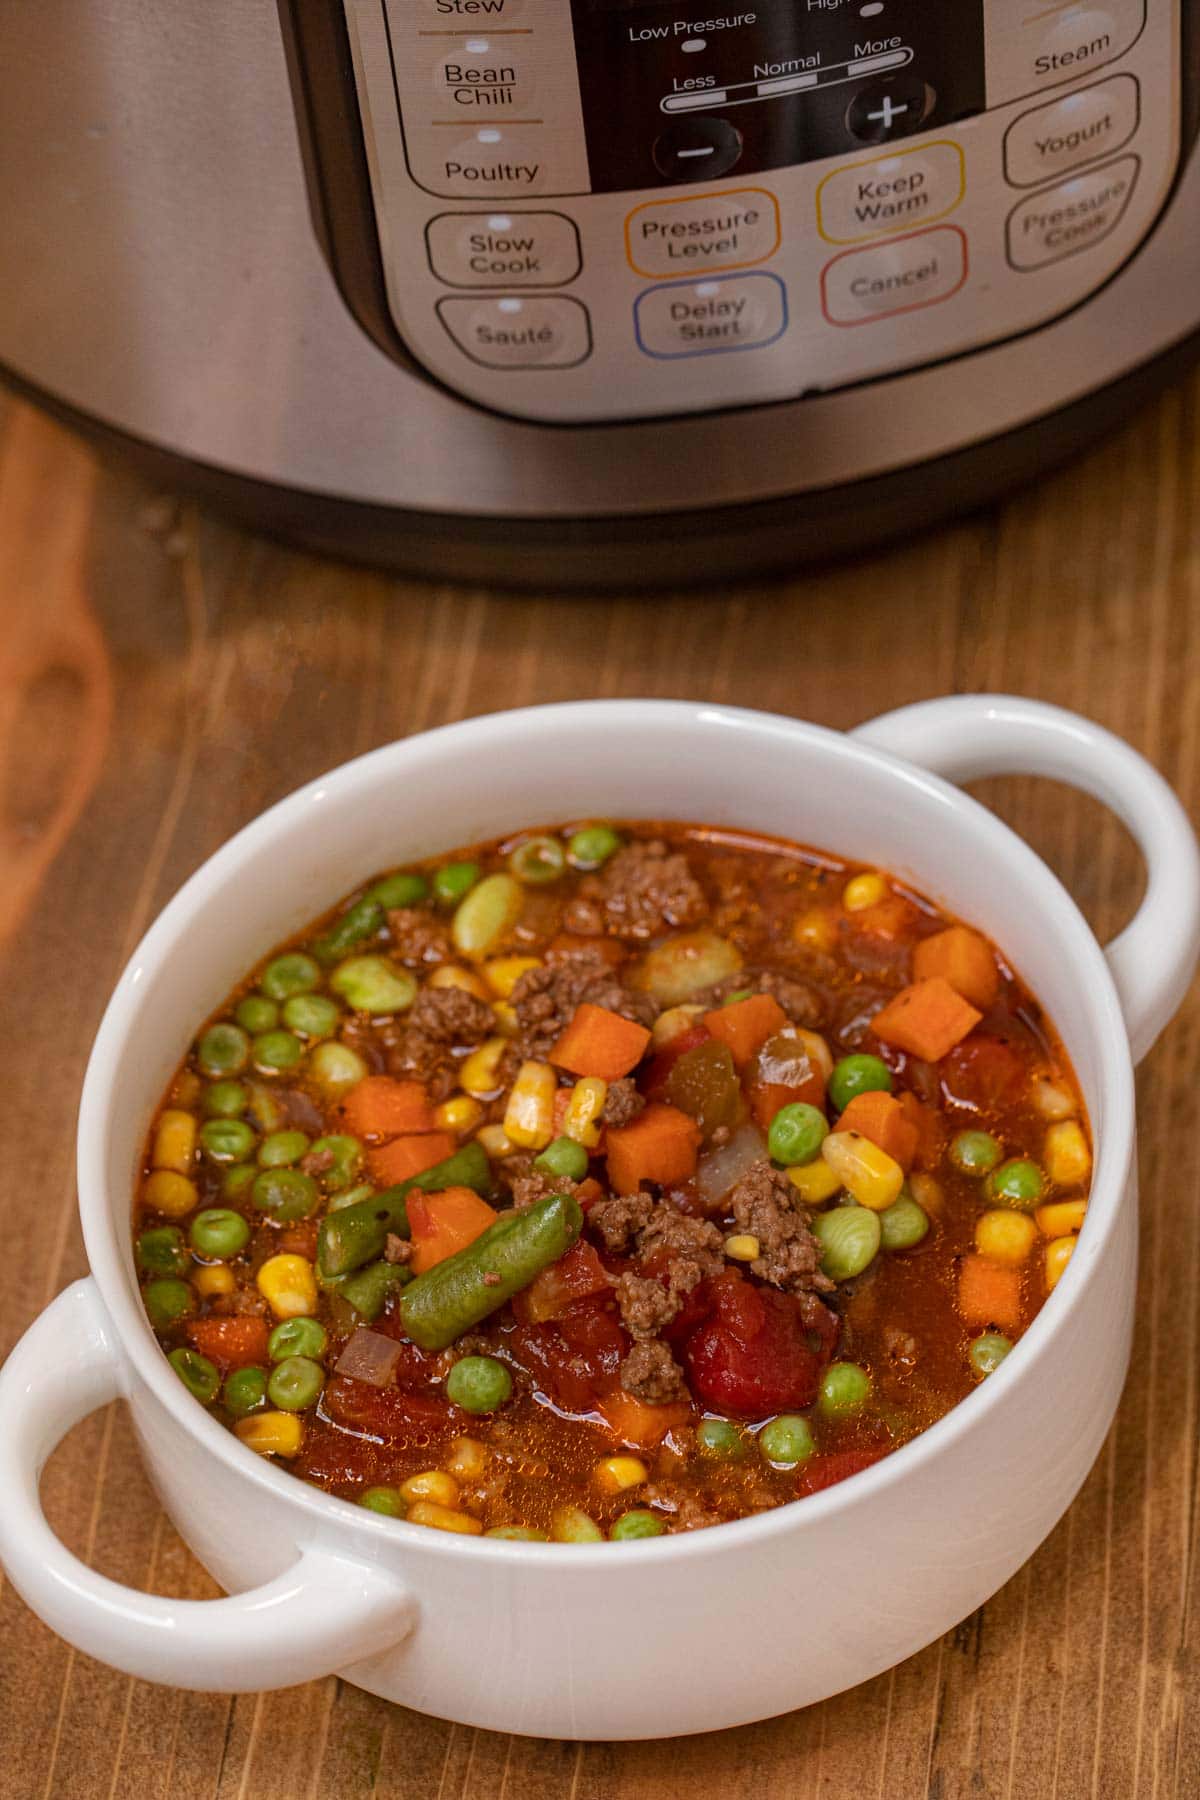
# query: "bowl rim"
[107,1246]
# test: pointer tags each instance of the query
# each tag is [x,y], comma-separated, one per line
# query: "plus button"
[887,112]
[890,109]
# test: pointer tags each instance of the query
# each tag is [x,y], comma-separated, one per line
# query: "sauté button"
[860,287]
[1079,128]
[698,149]
[702,232]
[1072,216]
[709,318]
[502,249]
[890,193]
[519,331]
[893,107]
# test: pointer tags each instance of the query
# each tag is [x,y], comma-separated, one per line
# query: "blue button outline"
[717,349]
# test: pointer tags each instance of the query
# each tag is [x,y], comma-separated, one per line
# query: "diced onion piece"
[719,1170]
[370,1357]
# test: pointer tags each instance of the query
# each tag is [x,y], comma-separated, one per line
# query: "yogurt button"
[1079,128]
[519,331]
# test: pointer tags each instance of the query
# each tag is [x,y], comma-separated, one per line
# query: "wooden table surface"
[164,677]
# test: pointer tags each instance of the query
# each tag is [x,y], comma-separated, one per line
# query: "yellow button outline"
[691,200]
[906,225]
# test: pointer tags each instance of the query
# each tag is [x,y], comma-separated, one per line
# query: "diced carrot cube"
[883,1119]
[927,1019]
[660,1145]
[405,1156]
[444,1223]
[382,1107]
[233,1343]
[989,1294]
[962,958]
[928,1124]
[601,1043]
[640,1426]
[746,1025]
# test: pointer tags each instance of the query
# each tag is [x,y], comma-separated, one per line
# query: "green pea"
[845,1388]
[312,1015]
[399,889]
[786,1441]
[386,1500]
[592,845]
[237,1181]
[639,1523]
[226,1140]
[287,1194]
[217,1231]
[245,1391]
[453,881]
[1018,1183]
[564,1157]
[849,1237]
[161,1251]
[295,1383]
[796,1134]
[291,973]
[975,1152]
[721,1440]
[357,923]
[858,1074]
[335,1068]
[346,1153]
[257,1014]
[282,1149]
[903,1224]
[297,1337]
[167,1301]
[275,1051]
[372,984]
[989,1351]
[226,1099]
[479,1384]
[537,861]
[223,1050]
[197,1374]
[519,1534]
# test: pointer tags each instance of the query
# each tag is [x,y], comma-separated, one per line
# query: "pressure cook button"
[515,331]
[861,286]
[698,149]
[1079,128]
[501,249]
[708,318]
[1071,216]
[892,108]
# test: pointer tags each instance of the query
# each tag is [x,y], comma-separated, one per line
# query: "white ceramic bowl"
[677,1634]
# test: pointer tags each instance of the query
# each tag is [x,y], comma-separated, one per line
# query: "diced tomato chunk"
[983,1074]
[385,1412]
[230,1343]
[573,1277]
[829,1467]
[573,1360]
[755,1354]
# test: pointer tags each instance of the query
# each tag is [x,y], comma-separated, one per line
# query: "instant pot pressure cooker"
[584,290]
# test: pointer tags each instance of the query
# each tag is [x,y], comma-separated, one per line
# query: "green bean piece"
[845,1389]
[276,1051]
[167,1301]
[295,1384]
[226,1140]
[351,1196]
[359,922]
[786,1441]
[975,1152]
[291,973]
[455,880]
[591,846]
[479,1384]
[197,1374]
[720,1440]
[518,1534]
[282,1149]
[312,1015]
[367,1290]
[162,1251]
[256,1014]
[564,1157]
[468,1287]
[245,1391]
[354,1235]
[398,890]
[223,1050]
[538,861]
[236,1182]
[220,1232]
[1018,1183]
[903,1224]
[796,1134]
[386,1500]
[286,1194]
[226,1099]
[849,1237]
[988,1351]
[372,984]
[297,1337]
[346,1155]
[858,1074]
[639,1523]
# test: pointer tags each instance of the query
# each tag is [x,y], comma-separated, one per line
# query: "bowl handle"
[322,1613]
[967,736]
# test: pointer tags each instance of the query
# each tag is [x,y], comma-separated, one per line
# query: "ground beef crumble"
[420,1046]
[645,890]
[527,1189]
[545,999]
[764,1204]
[688,1511]
[618,1221]
[622,1103]
[650,1373]
[802,1003]
[417,937]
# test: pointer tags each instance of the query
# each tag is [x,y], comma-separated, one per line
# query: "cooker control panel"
[597,210]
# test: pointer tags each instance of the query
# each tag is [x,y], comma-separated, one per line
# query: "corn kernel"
[288,1285]
[1052,1101]
[571,1525]
[869,1173]
[431,1484]
[468,1459]
[581,1120]
[1066,1155]
[616,1473]
[815,929]
[272,1433]
[187,1088]
[480,1073]
[815,1048]
[214,1278]
[453,975]
[814,1182]
[743,1247]
[1006,1236]
[460,1114]
[169,1193]
[863,891]
[927,1191]
[529,1116]
[671,1023]
[1060,1217]
[175,1142]
[443,1518]
[505,1015]
[1058,1255]
[503,972]
[495,1142]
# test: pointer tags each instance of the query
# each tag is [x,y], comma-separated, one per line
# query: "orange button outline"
[869,162]
[917,305]
[691,200]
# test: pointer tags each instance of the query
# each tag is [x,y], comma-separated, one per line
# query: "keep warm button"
[708,318]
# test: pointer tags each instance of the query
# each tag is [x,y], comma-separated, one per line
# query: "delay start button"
[502,249]
[702,232]
[515,331]
[709,318]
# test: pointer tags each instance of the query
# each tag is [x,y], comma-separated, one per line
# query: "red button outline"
[896,311]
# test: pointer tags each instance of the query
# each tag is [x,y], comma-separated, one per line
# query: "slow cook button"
[708,318]
[862,286]
[1072,216]
[703,231]
[515,331]
[499,249]
[1079,128]
[890,193]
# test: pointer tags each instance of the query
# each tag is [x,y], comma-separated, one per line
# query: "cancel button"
[864,285]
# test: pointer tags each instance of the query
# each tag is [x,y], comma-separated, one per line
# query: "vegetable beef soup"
[606,1182]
